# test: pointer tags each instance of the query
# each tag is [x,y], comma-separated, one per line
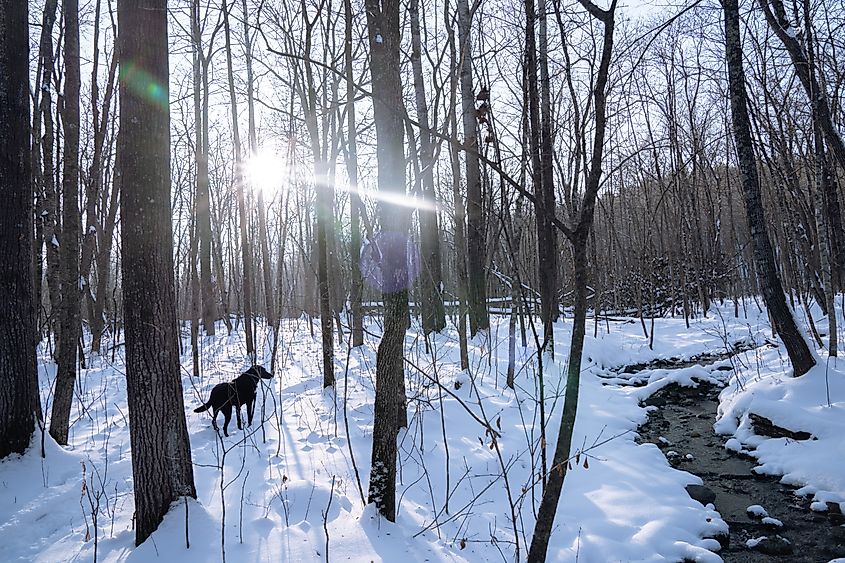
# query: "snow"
[751,543]
[285,483]
[757,510]
[813,403]
[769,521]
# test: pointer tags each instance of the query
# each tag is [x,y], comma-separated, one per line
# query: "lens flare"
[144,85]
[390,262]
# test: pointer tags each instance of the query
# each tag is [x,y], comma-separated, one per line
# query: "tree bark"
[433,311]
[784,322]
[579,238]
[18,373]
[161,454]
[384,41]
[203,207]
[69,243]
[357,286]
[547,251]
[246,251]
[475,234]
[42,177]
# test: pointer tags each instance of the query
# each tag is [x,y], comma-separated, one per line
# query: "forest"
[532,280]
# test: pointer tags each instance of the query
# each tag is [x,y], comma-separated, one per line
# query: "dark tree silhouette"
[161,454]
[384,40]
[18,375]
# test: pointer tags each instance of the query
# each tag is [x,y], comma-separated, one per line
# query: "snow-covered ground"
[292,487]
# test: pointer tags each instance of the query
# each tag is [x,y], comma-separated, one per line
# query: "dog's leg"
[214,420]
[250,410]
[238,413]
[227,413]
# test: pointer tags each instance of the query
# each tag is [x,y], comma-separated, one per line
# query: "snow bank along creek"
[767,521]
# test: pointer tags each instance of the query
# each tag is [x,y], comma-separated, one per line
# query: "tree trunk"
[161,454]
[777,19]
[267,270]
[784,322]
[547,253]
[460,214]
[822,238]
[433,312]
[69,242]
[579,238]
[103,259]
[18,372]
[384,41]
[246,252]
[95,231]
[476,240]
[203,208]
[357,286]
[42,178]
[560,462]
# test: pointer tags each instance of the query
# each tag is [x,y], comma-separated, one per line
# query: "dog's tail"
[203,408]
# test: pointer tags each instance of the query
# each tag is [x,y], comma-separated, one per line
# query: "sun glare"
[265,171]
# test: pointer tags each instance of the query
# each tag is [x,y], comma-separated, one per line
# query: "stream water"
[682,427]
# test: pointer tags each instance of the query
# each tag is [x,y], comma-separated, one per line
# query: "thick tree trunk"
[18,375]
[770,285]
[161,454]
[384,41]
[69,242]
[475,234]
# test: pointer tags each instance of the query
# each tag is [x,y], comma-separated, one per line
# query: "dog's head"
[258,372]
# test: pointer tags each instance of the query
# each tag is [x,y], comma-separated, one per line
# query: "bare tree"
[384,41]
[355,205]
[161,454]
[579,238]
[246,252]
[479,319]
[18,373]
[784,323]
[69,241]
[433,311]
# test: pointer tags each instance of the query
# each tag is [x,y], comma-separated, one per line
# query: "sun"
[265,171]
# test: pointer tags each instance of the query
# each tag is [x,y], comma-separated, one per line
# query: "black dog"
[239,392]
